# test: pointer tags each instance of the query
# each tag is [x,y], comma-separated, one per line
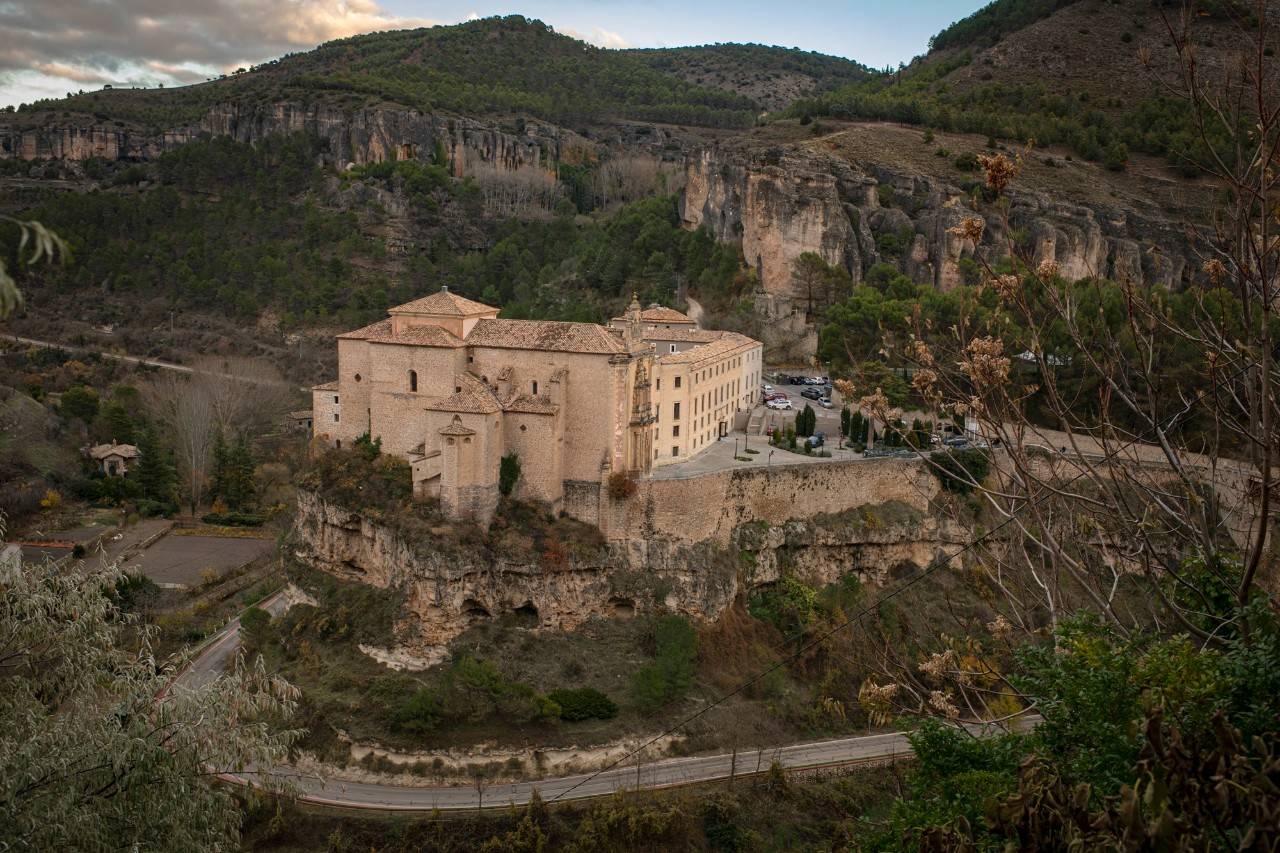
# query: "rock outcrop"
[781,202]
[449,589]
[359,136]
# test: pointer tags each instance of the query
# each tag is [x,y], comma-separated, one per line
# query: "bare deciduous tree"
[227,395]
[1153,451]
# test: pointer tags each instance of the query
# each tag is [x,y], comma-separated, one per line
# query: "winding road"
[672,772]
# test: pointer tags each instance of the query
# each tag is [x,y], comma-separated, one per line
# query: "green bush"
[583,703]
[671,673]
[508,473]
[959,470]
[234,519]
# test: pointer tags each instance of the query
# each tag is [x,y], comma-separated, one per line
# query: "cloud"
[172,41]
[598,36]
[69,72]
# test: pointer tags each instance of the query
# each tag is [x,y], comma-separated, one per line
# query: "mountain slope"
[770,76]
[494,66]
[1069,74]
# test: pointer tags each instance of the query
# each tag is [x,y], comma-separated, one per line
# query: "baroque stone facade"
[453,389]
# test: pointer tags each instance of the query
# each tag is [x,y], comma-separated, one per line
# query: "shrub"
[369,448]
[958,470]
[234,519]
[508,474]
[583,703]
[966,162]
[621,486]
[254,621]
[671,672]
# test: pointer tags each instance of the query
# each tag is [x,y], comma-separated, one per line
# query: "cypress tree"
[155,471]
[219,473]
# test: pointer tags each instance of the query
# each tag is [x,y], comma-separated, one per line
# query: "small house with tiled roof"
[446,384]
[114,459]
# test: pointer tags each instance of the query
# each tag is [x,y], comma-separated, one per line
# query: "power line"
[935,566]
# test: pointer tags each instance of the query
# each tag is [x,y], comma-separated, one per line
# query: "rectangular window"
[675,451]
[335,399]
[675,431]
[677,381]
[535,387]
[335,417]
[676,411]
[673,347]
[659,385]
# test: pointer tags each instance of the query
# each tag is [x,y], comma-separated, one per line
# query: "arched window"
[413,380]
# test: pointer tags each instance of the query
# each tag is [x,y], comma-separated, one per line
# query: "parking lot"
[828,420]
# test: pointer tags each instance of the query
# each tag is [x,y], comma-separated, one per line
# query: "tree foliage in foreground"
[95,754]
[1145,744]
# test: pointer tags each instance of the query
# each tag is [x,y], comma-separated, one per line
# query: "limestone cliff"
[449,589]
[782,201]
[359,136]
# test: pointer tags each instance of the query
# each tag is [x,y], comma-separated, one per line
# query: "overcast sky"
[50,47]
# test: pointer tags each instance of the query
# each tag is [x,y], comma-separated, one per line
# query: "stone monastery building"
[447,385]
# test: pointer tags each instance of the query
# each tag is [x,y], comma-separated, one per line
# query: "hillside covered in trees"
[493,66]
[1089,75]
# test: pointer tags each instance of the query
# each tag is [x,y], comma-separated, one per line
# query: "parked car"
[776,395]
[811,394]
[781,405]
[796,380]
[817,439]
[767,388]
[825,403]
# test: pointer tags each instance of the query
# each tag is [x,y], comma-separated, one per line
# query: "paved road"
[657,774]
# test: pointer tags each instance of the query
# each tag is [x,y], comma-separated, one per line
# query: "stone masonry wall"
[709,507]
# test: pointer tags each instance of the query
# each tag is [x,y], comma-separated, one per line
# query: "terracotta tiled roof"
[124,451]
[548,335]
[525,404]
[659,314]
[444,304]
[456,428]
[419,336]
[697,336]
[731,342]
[382,327]
[473,397]
[327,386]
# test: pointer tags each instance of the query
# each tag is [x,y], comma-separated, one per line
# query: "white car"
[781,405]
[766,388]
[824,403]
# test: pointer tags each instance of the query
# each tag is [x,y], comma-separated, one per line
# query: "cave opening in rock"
[623,608]
[526,615]
[474,610]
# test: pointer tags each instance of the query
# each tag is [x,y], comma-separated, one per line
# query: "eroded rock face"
[779,203]
[448,591]
[360,136]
